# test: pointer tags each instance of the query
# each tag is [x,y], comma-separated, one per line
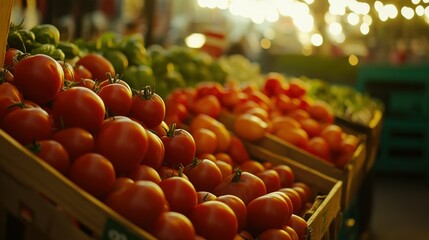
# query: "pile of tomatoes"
[126,148]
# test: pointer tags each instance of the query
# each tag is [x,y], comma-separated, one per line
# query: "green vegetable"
[139,76]
[47,34]
[14,40]
[70,49]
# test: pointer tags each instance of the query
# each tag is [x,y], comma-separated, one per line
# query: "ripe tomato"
[148,107]
[274,84]
[271,179]
[284,103]
[173,226]
[232,97]
[299,225]
[259,112]
[88,83]
[93,173]
[127,201]
[297,88]
[306,188]
[121,182]
[9,95]
[295,136]
[302,193]
[204,174]
[292,232]
[208,105]
[81,72]
[26,125]
[224,167]
[249,127]
[214,220]
[178,109]
[204,196]
[283,122]
[333,134]
[319,147]
[205,141]
[244,106]
[208,89]
[311,126]
[144,172]
[237,151]
[124,142]
[238,207]
[68,71]
[267,212]
[320,111]
[221,156]
[77,141]
[180,194]
[11,58]
[98,65]
[244,185]
[53,153]
[286,174]
[179,147]
[299,114]
[117,99]
[39,78]
[161,129]
[78,107]
[294,197]
[155,150]
[273,234]
[222,133]
[252,166]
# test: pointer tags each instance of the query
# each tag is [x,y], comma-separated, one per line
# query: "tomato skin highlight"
[179,147]
[53,153]
[173,226]
[97,65]
[180,194]
[76,141]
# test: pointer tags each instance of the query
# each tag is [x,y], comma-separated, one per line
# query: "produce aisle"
[154,120]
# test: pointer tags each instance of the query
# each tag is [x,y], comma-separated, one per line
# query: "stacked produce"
[173,175]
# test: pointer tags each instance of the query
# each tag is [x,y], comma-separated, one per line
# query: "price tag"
[116,231]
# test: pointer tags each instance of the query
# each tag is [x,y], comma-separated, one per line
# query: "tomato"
[244,185]
[306,188]
[121,182]
[297,88]
[286,174]
[68,71]
[267,212]
[299,225]
[214,220]
[284,122]
[206,88]
[274,234]
[178,109]
[238,207]
[81,72]
[78,107]
[180,194]
[97,65]
[161,129]
[117,99]
[295,136]
[39,78]
[299,114]
[148,107]
[222,133]
[9,95]
[225,157]
[155,150]
[302,193]
[224,167]
[286,198]
[6,76]
[53,153]
[249,127]
[88,83]
[232,97]
[333,134]
[173,226]
[243,235]
[274,84]
[179,147]
[127,201]
[26,125]
[205,141]
[204,196]
[284,103]
[237,151]
[319,147]
[320,111]
[144,172]
[312,127]
[251,166]
[209,105]
[294,197]
[204,174]
[292,232]
[124,142]
[271,179]
[244,106]
[93,173]
[76,141]
[11,58]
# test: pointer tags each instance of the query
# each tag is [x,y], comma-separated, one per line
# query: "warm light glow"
[195,40]
[265,43]
[378,6]
[304,23]
[335,28]
[309,2]
[269,33]
[407,12]
[391,10]
[329,18]
[222,4]
[203,3]
[367,19]
[427,11]
[352,18]
[337,10]
[353,60]
[364,28]
[415,1]
[359,7]
[316,39]
[426,1]
[340,38]
[420,10]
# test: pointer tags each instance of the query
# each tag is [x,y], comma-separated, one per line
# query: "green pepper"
[46,33]
[139,76]
[70,49]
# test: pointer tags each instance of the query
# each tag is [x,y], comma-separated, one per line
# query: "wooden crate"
[351,175]
[324,223]
[45,200]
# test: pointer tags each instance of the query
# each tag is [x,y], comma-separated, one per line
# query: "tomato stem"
[170,132]
[34,147]
[237,175]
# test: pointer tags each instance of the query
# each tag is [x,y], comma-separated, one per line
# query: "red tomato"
[306,188]
[39,78]
[295,136]
[155,150]
[274,84]
[53,153]
[319,147]
[121,182]
[237,205]
[9,95]
[299,225]
[180,194]
[311,126]
[68,71]
[204,174]
[148,107]
[173,226]
[284,122]
[267,212]
[237,151]
[167,172]
[320,111]
[98,65]
[117,99]
[204,196]
[26,125]
[286,174]
[88,83]
[299,114]
[78,107]
[302,193]
[284,103]
[232,97]
[297,88]
[93,173]
[81,72]
[214,220]
[244,185]
[249,127]
[209,105]
[77,141]
[274,234]
[291,232]
[11,58]
[179,147]
[333,134]
[178,109]
[124,142]
[286,198]
[271,179]
[205,141]
[144,172]
[161,129]
[208,89]
[221,156]
[253,167]
[224,167]
[127,201]
[294,197]
[222,133]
